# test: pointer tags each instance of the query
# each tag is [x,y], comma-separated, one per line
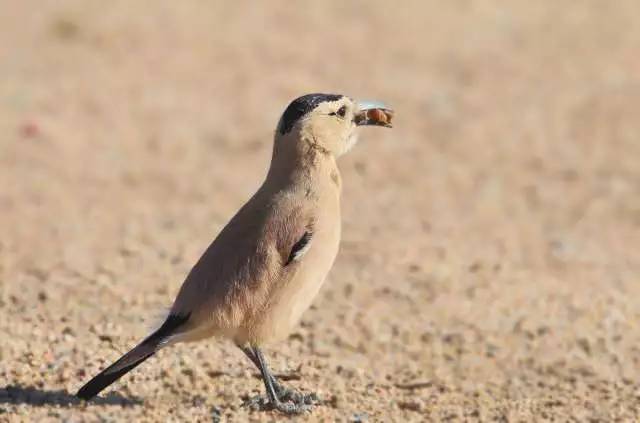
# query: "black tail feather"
[133,358]
[106,378]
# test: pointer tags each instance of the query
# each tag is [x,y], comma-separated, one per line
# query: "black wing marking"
[300,248]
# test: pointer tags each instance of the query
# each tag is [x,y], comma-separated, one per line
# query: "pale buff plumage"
[251,296]
[265,267]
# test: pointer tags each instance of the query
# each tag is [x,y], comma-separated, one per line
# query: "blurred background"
[491,240]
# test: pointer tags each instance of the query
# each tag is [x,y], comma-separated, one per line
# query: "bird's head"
[327,122]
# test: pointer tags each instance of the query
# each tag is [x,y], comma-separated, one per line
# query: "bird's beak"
[373,113]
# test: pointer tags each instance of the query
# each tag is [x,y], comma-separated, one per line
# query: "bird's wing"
[294,226]
[300,248]
[254,252]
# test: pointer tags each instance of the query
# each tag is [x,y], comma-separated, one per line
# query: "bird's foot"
[296,397]
[289,401]
[291,408]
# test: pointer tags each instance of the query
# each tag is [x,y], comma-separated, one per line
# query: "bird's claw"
[289,401]
[291,408]
[286,394]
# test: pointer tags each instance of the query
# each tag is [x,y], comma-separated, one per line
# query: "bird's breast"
[301,283]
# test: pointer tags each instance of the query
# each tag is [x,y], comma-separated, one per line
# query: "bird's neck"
[308,164]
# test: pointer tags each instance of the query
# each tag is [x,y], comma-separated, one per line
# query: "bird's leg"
[277,395]
[267,377]
[280,390]
[283,393]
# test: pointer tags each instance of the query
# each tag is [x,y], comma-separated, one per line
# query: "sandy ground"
[490,262]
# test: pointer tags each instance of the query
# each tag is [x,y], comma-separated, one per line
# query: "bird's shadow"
[16,394]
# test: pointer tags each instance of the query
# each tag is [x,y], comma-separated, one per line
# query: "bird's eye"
[342,111]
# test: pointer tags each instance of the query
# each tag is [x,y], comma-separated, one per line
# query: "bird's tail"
[118,369]
[132,359]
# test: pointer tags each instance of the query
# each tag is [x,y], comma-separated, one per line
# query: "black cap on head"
[300,107]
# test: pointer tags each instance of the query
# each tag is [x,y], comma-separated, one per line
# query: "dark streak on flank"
[298,246]
[300,107]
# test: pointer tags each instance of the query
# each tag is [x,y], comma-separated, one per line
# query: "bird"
[263,270]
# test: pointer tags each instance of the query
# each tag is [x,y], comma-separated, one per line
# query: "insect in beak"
[373,113]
